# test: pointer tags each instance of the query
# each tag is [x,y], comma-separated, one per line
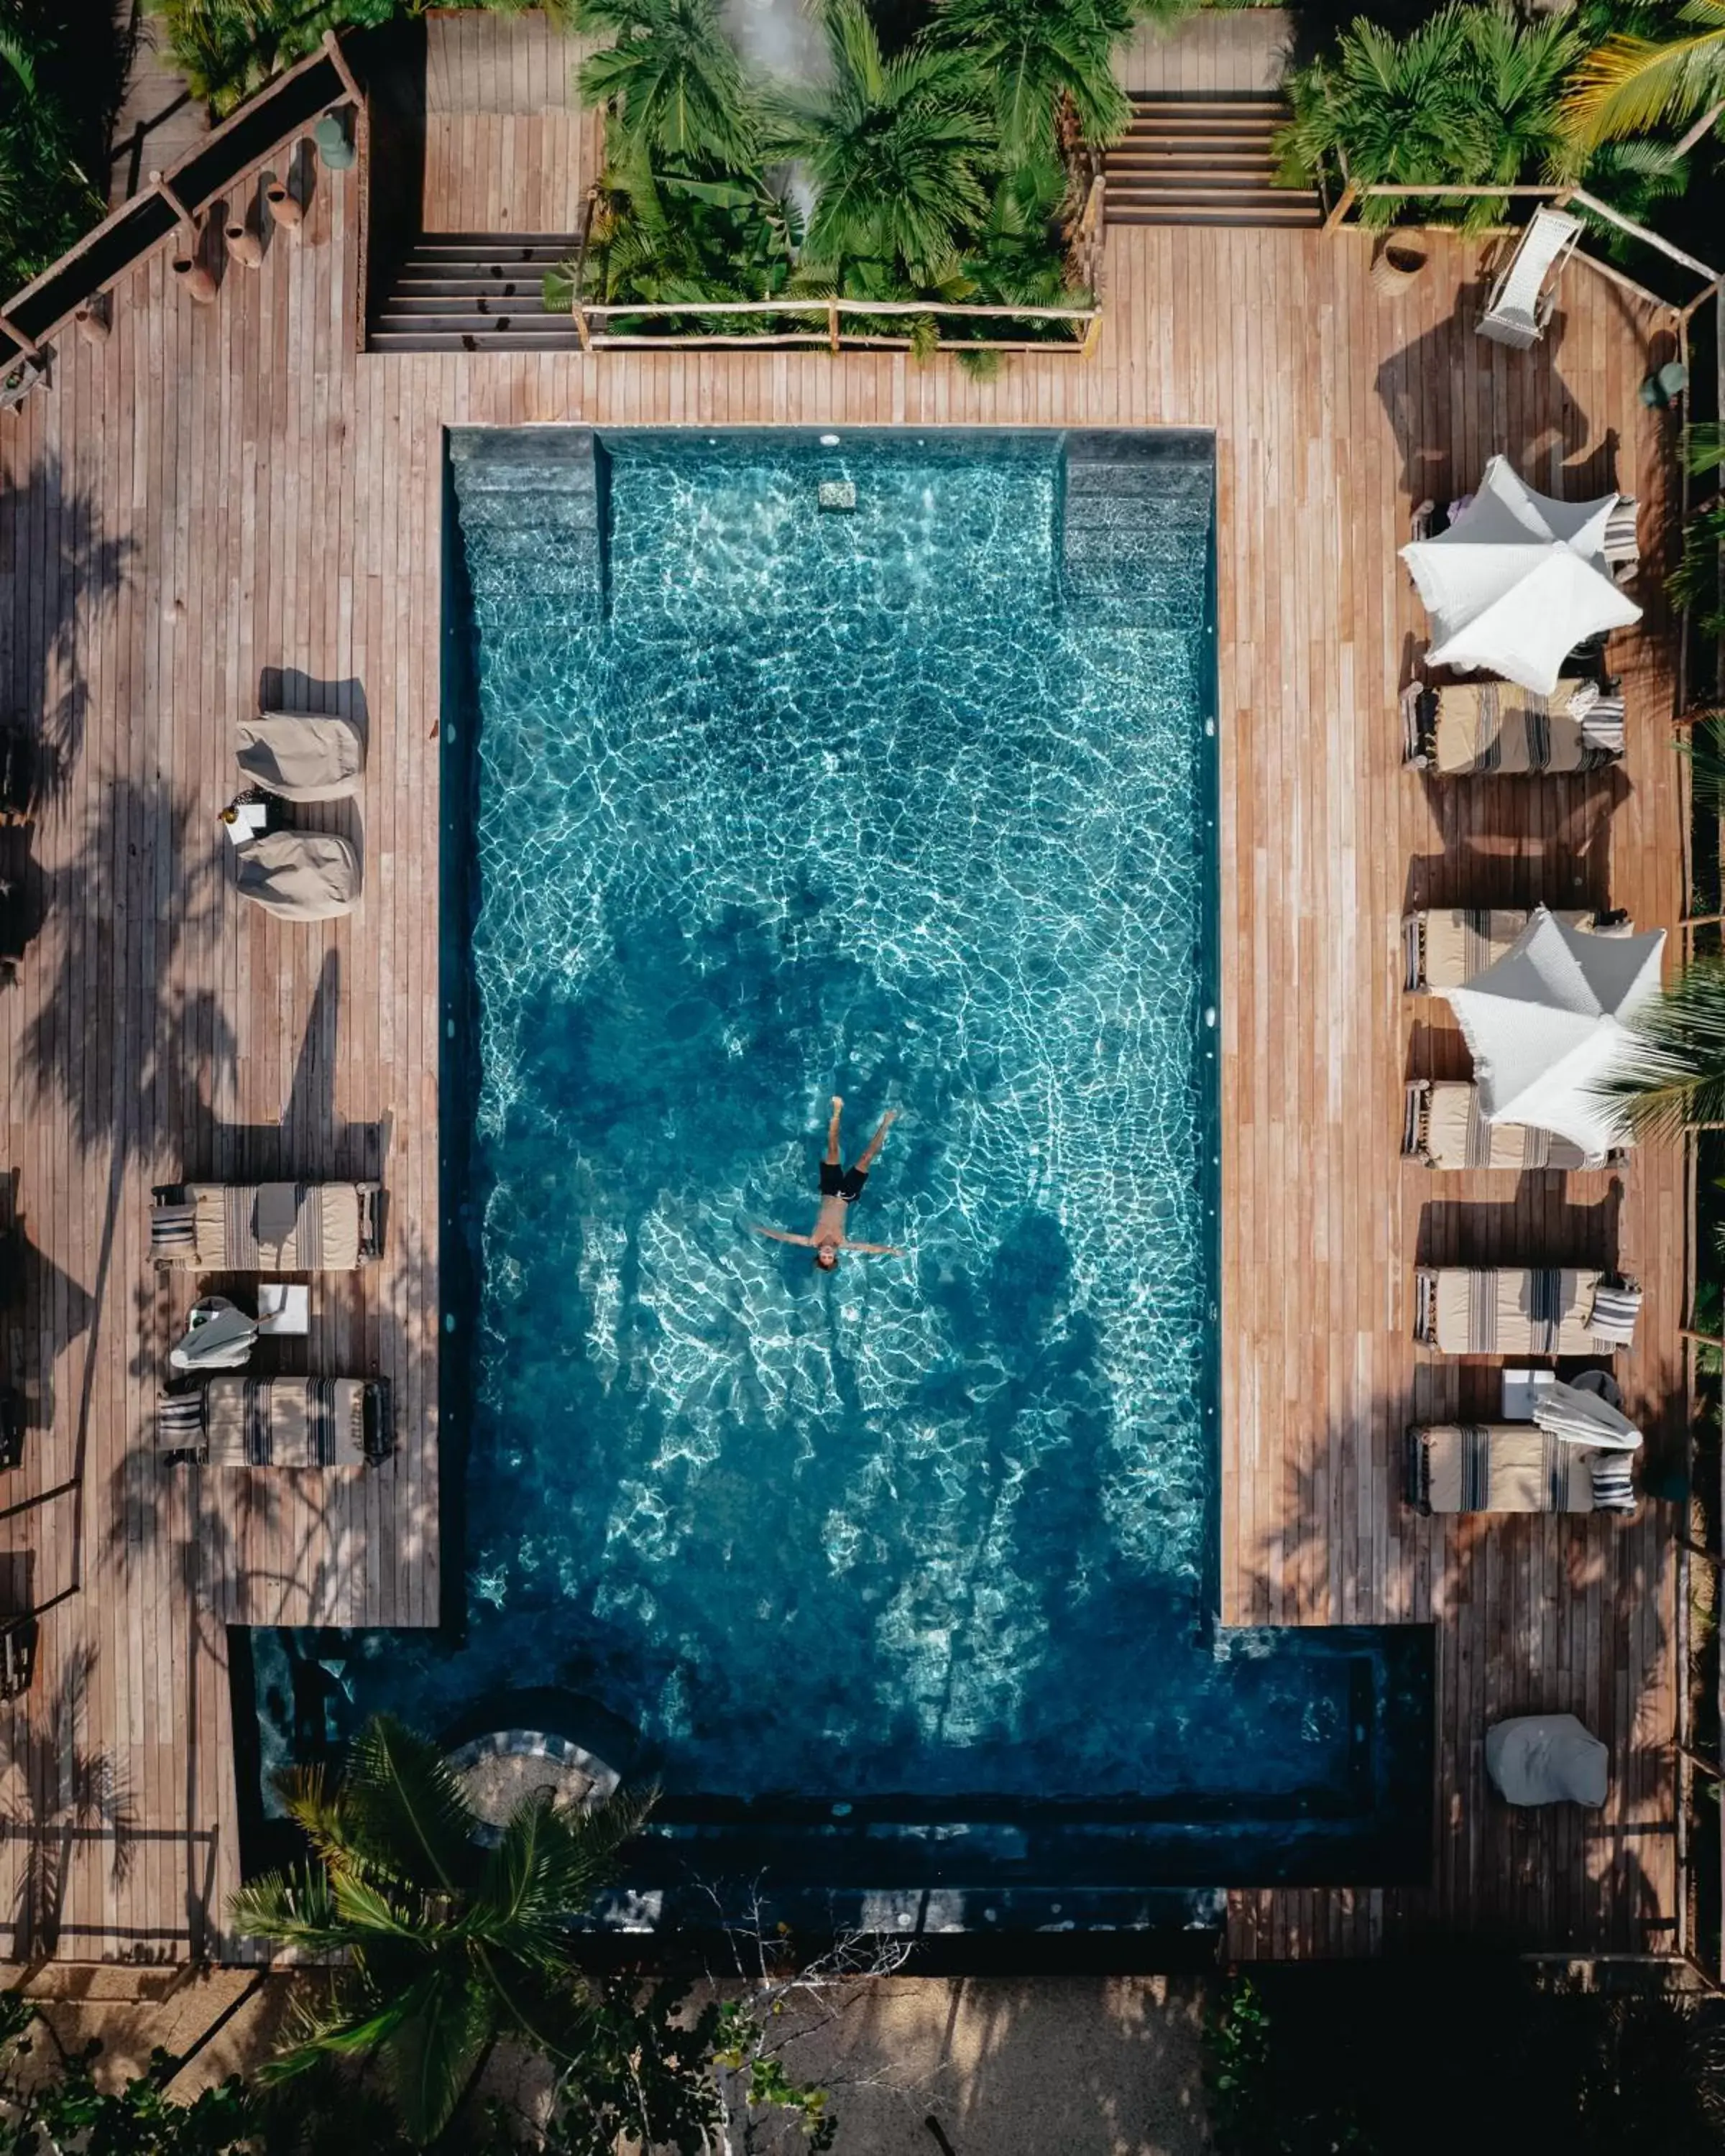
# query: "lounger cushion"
[1446,1130]
[299,875]
[1448,946]
[1495,728]
[284,1422]
[302,756]
[303,1228]
[1496,1467]
[1512,1310]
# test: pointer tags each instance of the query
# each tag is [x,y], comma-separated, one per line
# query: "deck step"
[1206,160]
[470,291]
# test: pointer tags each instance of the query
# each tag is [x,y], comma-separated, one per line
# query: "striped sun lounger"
[1523,1310]
[1480,729]
[267,1227]
[1443,1127]
[1446,947]
[1496,1467]
[278,1422]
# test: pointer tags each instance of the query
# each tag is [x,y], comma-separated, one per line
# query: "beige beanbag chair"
[1547,1760]
[302,756]
[300,875]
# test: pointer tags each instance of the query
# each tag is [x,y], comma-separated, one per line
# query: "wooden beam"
[332,46]
[1640,232]
[1344,202]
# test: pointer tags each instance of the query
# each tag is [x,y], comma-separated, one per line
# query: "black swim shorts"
[845,1183]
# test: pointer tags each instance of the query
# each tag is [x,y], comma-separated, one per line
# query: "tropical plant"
[227,48]
[1695,582]
[1471,97]
[1041,54]
[447,1945]
[672,79]
[46,198]
[901,152]
[1631,83]
[1673,1078]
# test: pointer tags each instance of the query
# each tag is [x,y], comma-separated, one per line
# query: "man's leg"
[831,1151]
[866,1160]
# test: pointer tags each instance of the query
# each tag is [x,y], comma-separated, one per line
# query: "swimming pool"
[778,765]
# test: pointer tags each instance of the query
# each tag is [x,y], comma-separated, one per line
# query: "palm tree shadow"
[74,570]
[74,1796]
[160,1054]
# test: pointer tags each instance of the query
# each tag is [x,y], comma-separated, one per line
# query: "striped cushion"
[1615,1312]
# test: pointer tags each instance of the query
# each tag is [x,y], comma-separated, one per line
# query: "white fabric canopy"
[1517,581]
[1547,1760]
[1548,1024]
[1578,1417]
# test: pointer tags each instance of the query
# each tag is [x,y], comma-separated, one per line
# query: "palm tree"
[447,1945]
[1040,53]
[900,151]
[1674,1077]
[673,79]
[1628,84]
[1469,96]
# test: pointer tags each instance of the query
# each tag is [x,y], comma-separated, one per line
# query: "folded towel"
[1612,1320]
[278,1209]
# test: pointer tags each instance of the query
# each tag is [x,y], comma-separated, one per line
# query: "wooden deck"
[222,494]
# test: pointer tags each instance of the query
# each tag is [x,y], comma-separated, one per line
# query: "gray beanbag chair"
[300,875]
[1547,1760]
[302,756]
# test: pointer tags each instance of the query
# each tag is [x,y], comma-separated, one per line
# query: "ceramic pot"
[194,280]
[287,209]
[244,246]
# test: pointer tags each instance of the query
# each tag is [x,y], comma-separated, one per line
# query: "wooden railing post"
[832,326]
[332,46]
[1344,202]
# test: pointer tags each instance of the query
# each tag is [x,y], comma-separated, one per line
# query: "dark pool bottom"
[984,1864]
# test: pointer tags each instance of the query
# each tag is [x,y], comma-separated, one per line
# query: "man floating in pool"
[840,1187]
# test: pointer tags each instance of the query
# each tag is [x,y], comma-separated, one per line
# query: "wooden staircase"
[1202,160]
[475,291]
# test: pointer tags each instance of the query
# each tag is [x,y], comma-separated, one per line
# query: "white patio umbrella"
[1548,1024]
[1517,581]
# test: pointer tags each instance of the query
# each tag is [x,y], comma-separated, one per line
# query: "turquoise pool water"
[913,800]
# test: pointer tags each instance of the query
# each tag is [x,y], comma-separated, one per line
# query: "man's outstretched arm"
[873,1250]
[783,1235]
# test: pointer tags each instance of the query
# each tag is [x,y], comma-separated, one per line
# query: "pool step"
[1135,529]
[532,512]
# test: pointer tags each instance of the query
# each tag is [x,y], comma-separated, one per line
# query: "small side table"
[1520,1388]
[284,1309]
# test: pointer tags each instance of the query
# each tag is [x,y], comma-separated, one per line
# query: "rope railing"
[1561,197]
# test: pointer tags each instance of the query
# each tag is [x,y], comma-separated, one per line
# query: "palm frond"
[1673,1073]
[1630,84]
[1704,446]
[435,2051]
[294,1909]
[404,1808]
